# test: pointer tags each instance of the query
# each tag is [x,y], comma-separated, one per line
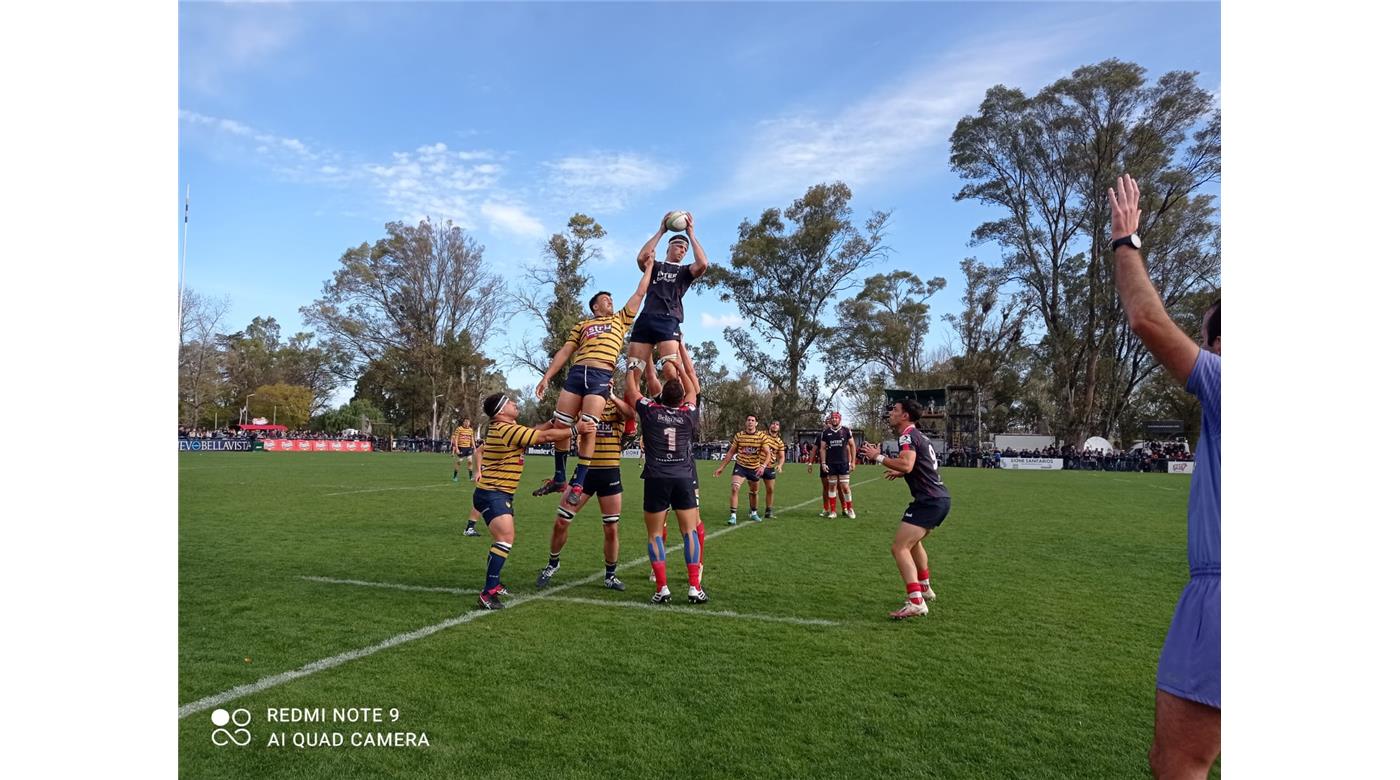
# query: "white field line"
[380,490]
[699,610]
[549,596]
[1143,484]
[210,702]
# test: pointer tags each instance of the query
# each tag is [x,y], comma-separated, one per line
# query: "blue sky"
[305,127]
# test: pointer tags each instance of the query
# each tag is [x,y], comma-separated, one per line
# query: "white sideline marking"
[549,596]
[696,610]
[380,490]
[1143,484]
[209,702]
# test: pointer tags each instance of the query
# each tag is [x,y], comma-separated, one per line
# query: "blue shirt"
[1203,507]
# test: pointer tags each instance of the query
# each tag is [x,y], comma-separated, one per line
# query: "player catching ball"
[659,323]
[918,465]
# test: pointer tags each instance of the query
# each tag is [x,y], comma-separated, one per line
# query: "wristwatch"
[1131,240]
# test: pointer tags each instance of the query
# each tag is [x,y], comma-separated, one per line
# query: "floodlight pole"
[184,253]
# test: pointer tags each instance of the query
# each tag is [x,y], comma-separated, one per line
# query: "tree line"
[1039,332]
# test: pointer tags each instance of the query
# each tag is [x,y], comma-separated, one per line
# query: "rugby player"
[1186,733]
[837,455]
[770,474]
[659,323]
[918,465]
[502,460]
[605,481]
[463,445]
[595,345]
[749,449]
[669,424]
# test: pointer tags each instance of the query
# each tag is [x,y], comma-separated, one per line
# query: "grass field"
[1038,658]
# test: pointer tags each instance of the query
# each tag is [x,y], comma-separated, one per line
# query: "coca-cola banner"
[315,445]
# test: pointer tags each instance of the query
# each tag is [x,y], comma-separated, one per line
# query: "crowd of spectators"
[234,433]
[1151,456]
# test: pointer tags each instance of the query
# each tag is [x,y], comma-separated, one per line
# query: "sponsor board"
[632,453]
[1033,463]
[1181,467]
[547,449]
[317,445]
[216,445]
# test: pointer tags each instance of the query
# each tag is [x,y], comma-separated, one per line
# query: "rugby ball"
[678,221]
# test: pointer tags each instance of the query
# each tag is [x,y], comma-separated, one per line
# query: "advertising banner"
[1181,467]
[315,445]
[1033,463]
[632,453]
[215,445]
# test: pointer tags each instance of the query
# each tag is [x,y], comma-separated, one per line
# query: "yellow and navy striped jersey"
[775,446]
[600,338]
[462,438]
[502,455]
[607,443]
[750,448]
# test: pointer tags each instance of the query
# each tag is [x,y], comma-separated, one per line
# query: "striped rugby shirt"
[502,455]
[750,448]
[600,338]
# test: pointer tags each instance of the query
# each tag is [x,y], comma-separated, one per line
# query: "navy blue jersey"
[667,433]
[669,281]
[923,480]
[836,454]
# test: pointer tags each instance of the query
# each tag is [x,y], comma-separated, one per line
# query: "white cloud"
[889,132]
[708,320]
[606,182]
[220,41]
[513,219]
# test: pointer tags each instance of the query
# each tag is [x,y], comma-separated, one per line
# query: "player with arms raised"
[595,345]
[502,460]
[659,323]
[918,464]
[669,424]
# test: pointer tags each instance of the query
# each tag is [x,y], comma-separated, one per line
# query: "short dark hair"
[1213,325]
[911,407]
[754,416]
[672,392]
[596,296]
[488,404]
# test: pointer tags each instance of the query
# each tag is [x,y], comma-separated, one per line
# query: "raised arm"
[702,261]
[1147,316]
[647,260]
[899,466]
[689,378]
[624,408]
[728,456]
[649,248]
[560,358]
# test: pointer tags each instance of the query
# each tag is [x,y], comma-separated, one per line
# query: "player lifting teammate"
[659,323]
[918,464]
[668,426]
[595,345]
[502,460]
[836,453]
[749,449]
[605,481]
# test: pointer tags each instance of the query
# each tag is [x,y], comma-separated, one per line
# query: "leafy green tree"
[200,382]
[886,325]
[787,270]
[402,310]
[288,405]
[1045,162]
[358,414]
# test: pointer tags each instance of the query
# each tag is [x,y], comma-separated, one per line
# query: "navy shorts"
[770,474]
[655,328]
[588,380]
[746,472]
[603,482]
[464,452]
[928,513]
[838,469]
[492,504]
[1190,664]
[663,493]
